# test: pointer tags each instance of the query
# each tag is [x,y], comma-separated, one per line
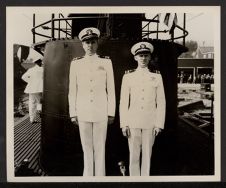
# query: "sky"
[200,26]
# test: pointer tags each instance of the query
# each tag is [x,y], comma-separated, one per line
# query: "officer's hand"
[110,119]
[126,131]
[156,131]
[74,120]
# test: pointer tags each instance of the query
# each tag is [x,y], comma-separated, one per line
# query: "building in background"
[198,67]
[204,52]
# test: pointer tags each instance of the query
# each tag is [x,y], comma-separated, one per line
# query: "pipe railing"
[146,32]
[53,20]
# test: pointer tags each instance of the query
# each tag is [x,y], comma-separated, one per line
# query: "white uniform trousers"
[140,139]
[93,138]
[34,100]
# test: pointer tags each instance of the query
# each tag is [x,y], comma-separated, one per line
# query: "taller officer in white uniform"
[142,109]
[92,101]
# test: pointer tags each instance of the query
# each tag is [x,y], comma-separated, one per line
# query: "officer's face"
[90,46]
[143,59]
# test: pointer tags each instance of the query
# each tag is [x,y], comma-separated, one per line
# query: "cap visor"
[89,38]
[143,51]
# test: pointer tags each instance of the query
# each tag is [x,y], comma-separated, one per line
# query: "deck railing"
[147,31]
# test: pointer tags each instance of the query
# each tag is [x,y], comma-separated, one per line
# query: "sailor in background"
[142,109]
[92,101]
[34,79]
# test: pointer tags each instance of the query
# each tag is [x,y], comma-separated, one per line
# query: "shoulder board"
[76,58]
[106,57]
[129,71]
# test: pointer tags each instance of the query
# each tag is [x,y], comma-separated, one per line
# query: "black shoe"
[18,114]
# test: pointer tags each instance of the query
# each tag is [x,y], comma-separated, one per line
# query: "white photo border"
[13,11]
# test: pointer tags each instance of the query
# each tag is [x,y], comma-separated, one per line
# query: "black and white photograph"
[113,94]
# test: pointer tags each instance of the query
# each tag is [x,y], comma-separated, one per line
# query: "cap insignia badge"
[89,32]
[142,46]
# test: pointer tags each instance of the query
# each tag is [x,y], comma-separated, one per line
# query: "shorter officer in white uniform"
[92,101]
[34,79]
[142,109]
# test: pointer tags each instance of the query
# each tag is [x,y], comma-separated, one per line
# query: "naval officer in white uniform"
[92,101]
[142,109]
[34,79]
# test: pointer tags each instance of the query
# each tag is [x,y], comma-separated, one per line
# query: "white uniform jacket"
[91,89]
[34,79]
[142,102]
